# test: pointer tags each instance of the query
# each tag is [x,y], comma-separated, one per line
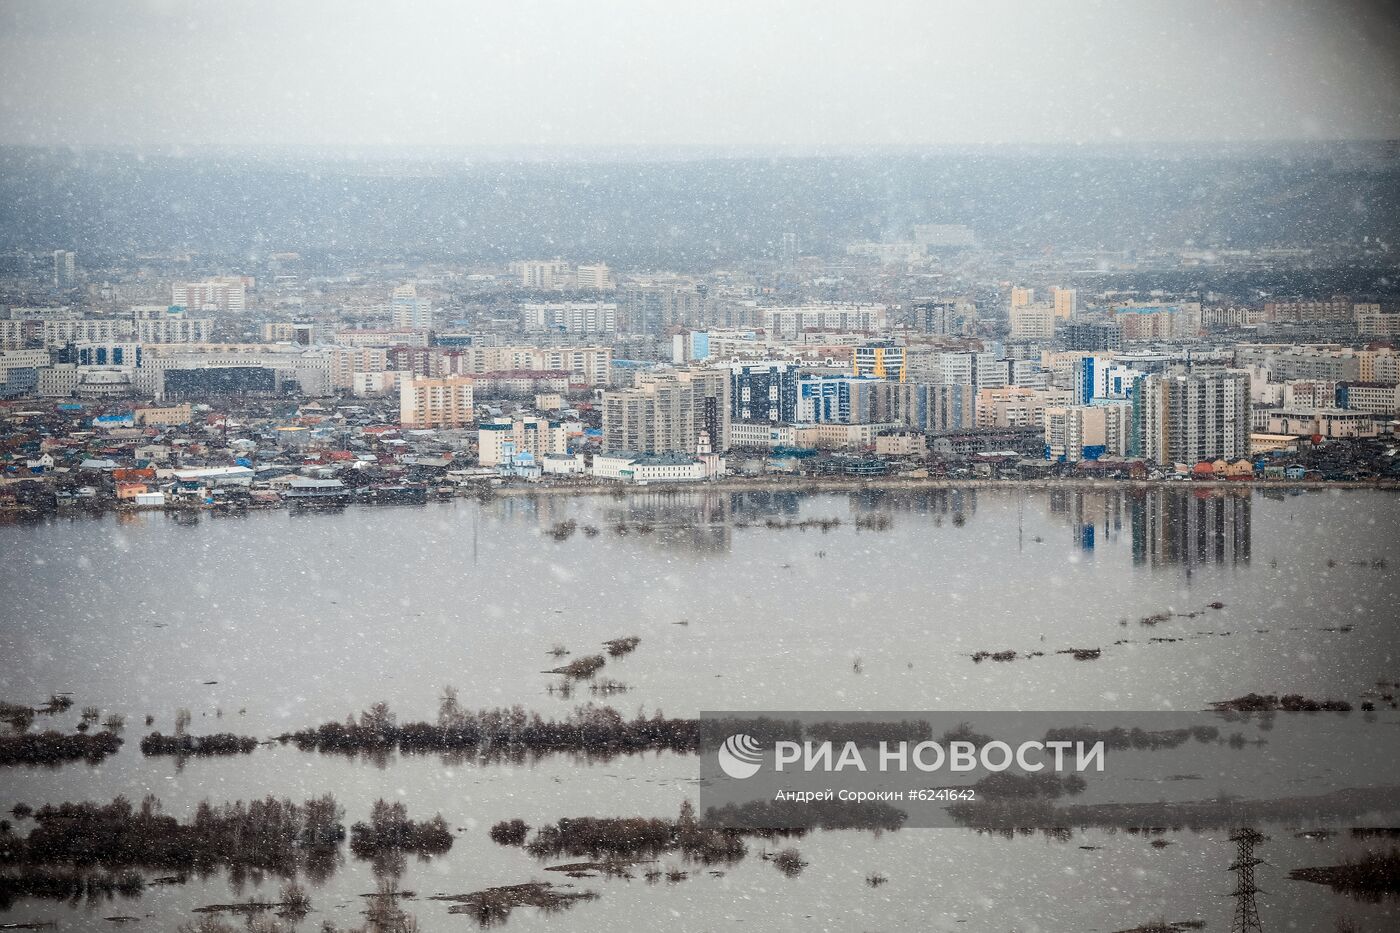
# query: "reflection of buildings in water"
[688,519]
[956,502]
[944,500]
[1096,515]
[1190,526]
[544,513]
[766,503]
[675,506]
[541,510]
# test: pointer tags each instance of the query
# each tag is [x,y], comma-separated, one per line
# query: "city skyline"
[441,444]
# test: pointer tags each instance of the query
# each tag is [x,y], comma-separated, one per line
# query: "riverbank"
[831,484]
[734,485]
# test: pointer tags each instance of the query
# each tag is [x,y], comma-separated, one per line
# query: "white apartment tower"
[594,277]
[409,311]
[228,293]
[541,273]
[569,317]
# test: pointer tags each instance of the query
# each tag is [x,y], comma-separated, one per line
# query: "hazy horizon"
[164,73]
[654,151]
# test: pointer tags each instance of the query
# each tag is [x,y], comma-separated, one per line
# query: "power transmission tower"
[1246,910]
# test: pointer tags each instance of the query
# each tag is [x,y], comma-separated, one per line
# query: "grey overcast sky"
[802,73]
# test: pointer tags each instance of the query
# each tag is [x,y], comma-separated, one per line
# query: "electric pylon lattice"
[1246,909]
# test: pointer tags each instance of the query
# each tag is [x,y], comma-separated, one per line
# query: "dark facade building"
[763,391]
[1084,336]
[221,380]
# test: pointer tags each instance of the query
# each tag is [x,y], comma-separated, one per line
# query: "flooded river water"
[273,621]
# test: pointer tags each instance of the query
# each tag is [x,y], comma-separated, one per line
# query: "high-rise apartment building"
[956,317]
[174,330]
[289,332]
[1336,309]
[1188,417]
[655,417]
[840,399]
[531,434]
[686,305]
[1033,322]
[65,268]
[1065,301]
[1073,433]
[569,317]
[933,408]
[590,365]
[1285,362]
[951,367]
[1100,377]
[541,273]
[1086,432]
[879,360]
[790,323]
[426,361]
[763,390]
[787,248]
[228,293]
[1153,321]
[1016,407]
[1118,426]
[593,277]
[934,317]
[642,307]
[1385,367]
[668,411]
[425,402]
[348,362]
[167,324]
[1080,335]
[408,311]
[711,390]
[58,333]
[1372,324]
